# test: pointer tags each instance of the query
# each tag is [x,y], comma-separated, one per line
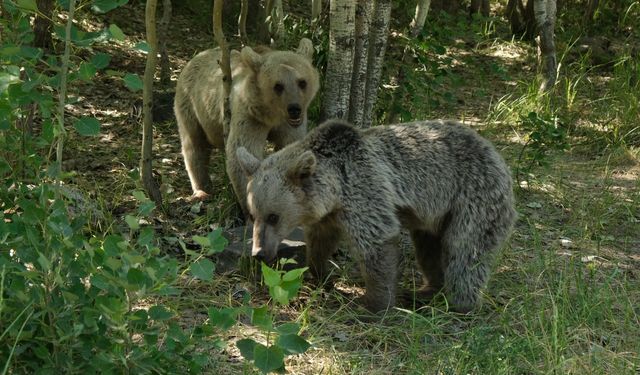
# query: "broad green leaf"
[223,318]
[271,276]
[139,195]
[116,32]
[133,82]
[202,241]
[132,222]
[104,6]
[292,344]
[87,71]
[268,359]
[203,269]
[246,346]
[288,328]
[87,126]
[295,274]
[142,47]
[261,318]
[291,287]
[159,312]
[146,236]
[280,295]
[101,60]
[136,278]
[217,241]
[27,5]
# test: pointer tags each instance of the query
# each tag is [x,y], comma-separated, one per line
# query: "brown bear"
[270,95]
[439,179]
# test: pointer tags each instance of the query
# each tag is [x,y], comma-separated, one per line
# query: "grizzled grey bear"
[439,179]
[270,94]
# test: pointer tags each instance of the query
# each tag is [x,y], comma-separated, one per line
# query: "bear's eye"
[272,219]
[278,88]
[302,84]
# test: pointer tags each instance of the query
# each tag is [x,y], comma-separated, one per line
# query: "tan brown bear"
[439,179]
[271,91]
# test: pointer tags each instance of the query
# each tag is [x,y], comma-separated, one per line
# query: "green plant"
[544,134]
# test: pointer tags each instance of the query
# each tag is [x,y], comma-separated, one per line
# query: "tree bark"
[146,162]
[242,22]
[42,24]
[340,59]
[364,12]
[316,10]
[378,35]
[479,6]
[165,67]
[225,64]
[417,23]
[545,15]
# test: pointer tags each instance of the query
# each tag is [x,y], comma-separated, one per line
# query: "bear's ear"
[250,58]
[248,162]
[305,48]
[303,167]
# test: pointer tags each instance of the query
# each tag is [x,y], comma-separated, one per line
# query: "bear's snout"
[262,255]
[294,110]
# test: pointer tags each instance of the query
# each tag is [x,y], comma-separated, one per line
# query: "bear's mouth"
[295,122]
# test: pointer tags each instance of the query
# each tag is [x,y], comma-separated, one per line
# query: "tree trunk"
[417,23]
[545,14]
[479,6]
[364,11]
[316,10]
[42,24]
[340,59]
[146,162]
[225,64]
[242,22]
[165,67]
[379,32]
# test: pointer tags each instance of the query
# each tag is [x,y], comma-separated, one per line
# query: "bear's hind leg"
[196,152]
[380,272]
[428,249]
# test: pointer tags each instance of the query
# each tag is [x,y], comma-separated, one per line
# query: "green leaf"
[288,328]
[202,241]
[223,318]
[116,32]
[280,295]
[260,317]
[268,359]
[295,274]
[271,276]
[133,82]
[136,278]
[87,71]
[217,241]
[132,222]
[291,287]
[159,312]
[101,60]
[27,5]
[142,47]
[104,6]
[246,346]
[203,269]
[87,126]
[292,344]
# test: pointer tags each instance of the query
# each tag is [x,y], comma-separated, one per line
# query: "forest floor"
[565,296]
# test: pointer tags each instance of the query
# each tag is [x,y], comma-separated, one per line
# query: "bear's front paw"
[199,196]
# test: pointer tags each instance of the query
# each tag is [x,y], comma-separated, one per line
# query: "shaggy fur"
[439,179]
[271,91]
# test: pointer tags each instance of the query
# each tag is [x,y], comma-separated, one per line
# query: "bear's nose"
[294,111]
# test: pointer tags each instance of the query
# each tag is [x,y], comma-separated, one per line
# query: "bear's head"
[285,83]
[278,197]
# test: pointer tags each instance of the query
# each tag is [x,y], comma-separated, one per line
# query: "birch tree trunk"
[545,15]
[165,68]
[364,12]
[225,64]
[378,33]
[146,162]
[316,10]
[340,59]
[417,23]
